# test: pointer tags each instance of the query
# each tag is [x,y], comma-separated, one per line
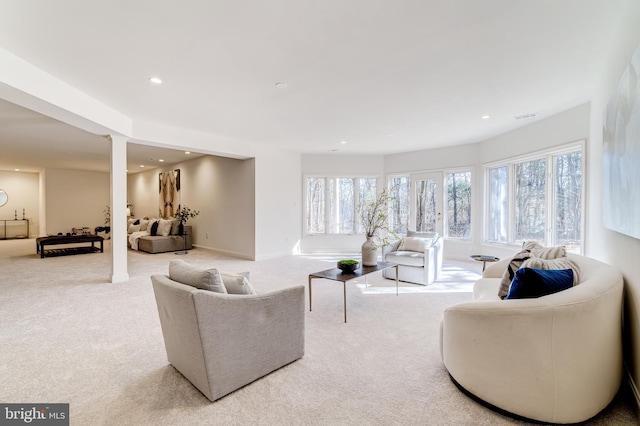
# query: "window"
[342,207]
[366,194]
[315,205]
[530,200]
[568,200]
[426,211]
[538,198]
[399,187]
[331,203]
[459,205]
[498,204]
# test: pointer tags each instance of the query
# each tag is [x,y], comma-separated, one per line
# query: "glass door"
[426,202]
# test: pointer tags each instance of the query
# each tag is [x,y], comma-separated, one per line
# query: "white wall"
[440,160]
[221,189]
[563,128]
[432,159]
[545,132]
[614,248]
[278,213]
[75,199]
[22,189]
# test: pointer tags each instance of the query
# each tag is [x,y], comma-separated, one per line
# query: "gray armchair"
[221,342]
[417,263]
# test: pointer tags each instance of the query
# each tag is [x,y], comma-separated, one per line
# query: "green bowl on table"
[348,266]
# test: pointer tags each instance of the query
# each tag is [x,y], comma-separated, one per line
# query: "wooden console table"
[4,235]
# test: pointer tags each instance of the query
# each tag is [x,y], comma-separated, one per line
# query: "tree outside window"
[530,200]
[568,200]
[498,205]
[399,188]
[331,203]
[459,205]
[546,196]
[315,205]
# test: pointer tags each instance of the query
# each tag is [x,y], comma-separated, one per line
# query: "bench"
[68,239]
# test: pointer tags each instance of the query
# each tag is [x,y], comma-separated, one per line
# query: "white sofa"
[418,266]
[557,358]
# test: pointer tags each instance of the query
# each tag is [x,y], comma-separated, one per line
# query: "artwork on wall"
[169,185]
[621,154]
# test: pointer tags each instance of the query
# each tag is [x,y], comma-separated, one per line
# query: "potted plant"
[348,266]
[183,215]
[373,218]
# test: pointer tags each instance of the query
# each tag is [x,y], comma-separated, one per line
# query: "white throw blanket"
[134,237]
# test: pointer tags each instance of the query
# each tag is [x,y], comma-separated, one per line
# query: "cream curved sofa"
[557,358]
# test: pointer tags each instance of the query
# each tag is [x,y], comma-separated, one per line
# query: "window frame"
[389,185]
[356,196]
[548,155]
[445,213]
[443,174]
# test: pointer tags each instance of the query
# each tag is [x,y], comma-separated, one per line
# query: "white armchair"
[418,255]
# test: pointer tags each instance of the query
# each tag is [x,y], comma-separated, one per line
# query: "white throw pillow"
[144,224]
[133,228]
[414,244]
[542,252]
[236,284]
[164,228]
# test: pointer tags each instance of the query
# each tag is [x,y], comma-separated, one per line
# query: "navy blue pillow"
[530,283]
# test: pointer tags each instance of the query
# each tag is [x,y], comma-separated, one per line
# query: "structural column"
[119,271]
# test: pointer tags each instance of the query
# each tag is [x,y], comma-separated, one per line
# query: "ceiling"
[374,76]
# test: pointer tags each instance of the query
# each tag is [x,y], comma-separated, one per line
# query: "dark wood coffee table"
[336,274]
[55,240]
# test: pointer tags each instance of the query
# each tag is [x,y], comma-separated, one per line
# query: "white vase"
[369,253]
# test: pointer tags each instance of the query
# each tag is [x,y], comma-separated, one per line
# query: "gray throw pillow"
[236,283]
[538,250]
[551,264]
[204,279]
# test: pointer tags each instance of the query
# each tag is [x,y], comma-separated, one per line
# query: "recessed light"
[17,170]
[525,116]
[187,152]
[343,142]
[161,160]
[141,165]
[486,117]
[155,80]
[281,85]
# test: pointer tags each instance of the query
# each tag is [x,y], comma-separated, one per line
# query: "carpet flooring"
[69,335]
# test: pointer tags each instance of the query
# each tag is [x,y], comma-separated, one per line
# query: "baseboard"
[634,390]
[274,255]
[225,252]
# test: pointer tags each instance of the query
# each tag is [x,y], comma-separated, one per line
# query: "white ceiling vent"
[525,116]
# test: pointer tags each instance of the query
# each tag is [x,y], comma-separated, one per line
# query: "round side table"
[484,259]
